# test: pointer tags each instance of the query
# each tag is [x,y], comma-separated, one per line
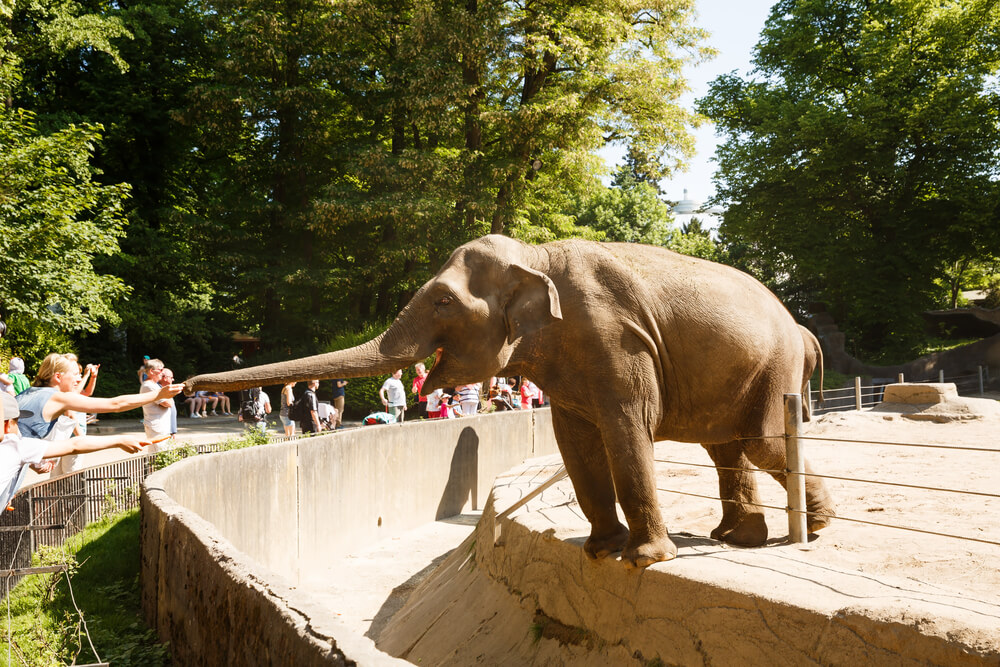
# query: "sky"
[735,27]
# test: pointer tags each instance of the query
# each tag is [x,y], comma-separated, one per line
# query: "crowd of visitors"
[58,404]
[45,422]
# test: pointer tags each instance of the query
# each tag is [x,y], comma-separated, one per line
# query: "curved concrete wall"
[225,536]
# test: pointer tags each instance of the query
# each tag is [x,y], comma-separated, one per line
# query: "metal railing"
[51,511]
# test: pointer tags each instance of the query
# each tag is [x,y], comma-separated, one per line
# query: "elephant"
[631,344]
[812,359]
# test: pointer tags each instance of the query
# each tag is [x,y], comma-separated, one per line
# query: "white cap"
[11,410]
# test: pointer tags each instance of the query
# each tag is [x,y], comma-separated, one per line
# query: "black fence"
[50,512]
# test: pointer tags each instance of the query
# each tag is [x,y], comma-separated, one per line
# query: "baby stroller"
[501,400]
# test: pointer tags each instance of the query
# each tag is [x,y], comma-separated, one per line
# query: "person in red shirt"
[418,384]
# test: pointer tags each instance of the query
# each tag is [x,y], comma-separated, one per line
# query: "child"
[17,453]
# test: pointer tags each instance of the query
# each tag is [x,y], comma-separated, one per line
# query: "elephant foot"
[602,546]
[638,556]
[750,531]
[817,522]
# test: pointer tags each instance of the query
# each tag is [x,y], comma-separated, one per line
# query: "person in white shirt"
[155,415]
[17,453]
[394,395]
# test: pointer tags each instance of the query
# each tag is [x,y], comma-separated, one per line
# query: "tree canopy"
[860,160]
[291,169]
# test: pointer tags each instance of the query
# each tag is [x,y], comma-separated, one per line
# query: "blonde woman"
[287,398]
[53,394]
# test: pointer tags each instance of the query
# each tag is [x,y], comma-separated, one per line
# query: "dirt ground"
[967,565]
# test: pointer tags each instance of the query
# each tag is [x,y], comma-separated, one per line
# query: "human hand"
[132,444]
[44,466]
[169,391]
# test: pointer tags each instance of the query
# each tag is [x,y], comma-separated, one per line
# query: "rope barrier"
[838,517]
[837,477]
[964,448]
[901,444]
[706,465]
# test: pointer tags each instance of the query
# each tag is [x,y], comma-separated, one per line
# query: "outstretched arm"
[93,443]
[68,400]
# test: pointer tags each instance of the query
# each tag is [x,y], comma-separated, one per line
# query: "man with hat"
[17,453]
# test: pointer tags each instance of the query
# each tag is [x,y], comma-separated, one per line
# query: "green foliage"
[630,212]
[104,571]
[165,457]
[54,220]
[860,162]
[993,293]
[301,168]
[361,395]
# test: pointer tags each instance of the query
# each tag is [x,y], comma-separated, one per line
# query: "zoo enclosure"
[796,510]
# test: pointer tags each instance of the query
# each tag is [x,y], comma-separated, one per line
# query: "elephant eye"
[443,301]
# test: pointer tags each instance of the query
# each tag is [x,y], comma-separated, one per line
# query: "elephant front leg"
[630,451]
[587,464]
[742,520]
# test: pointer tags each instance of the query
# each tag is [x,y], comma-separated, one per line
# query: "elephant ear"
[532,302]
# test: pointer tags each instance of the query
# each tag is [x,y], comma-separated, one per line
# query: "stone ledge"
[522,590]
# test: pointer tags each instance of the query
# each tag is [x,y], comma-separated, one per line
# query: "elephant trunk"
[391,350]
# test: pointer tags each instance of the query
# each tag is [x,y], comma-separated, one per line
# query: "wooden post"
[857,393]
[941,376]
[795,481]
[980,368]
[809,396]
[900,379]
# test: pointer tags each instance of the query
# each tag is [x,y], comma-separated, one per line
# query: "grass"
[44,627]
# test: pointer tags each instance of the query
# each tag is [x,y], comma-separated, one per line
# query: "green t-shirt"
[20,382]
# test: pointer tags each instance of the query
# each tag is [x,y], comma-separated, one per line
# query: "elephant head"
[472,315]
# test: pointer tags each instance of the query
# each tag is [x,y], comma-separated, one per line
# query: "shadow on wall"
[463,476]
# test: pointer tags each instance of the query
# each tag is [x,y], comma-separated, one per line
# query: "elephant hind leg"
[742,521]
[770,455]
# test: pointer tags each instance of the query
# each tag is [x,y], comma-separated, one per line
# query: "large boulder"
[936,402]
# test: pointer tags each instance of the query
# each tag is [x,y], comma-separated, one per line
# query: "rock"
[935,402]
[919,393]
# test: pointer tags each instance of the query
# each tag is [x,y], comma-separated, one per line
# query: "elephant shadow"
[463,477]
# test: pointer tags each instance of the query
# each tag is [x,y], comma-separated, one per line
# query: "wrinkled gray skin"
[631,344]
[813,359]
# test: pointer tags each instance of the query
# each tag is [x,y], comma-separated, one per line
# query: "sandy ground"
[963,564]
[368,587]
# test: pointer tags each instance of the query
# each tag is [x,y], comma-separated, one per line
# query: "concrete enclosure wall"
[225,536]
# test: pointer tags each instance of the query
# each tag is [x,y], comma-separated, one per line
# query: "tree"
[484,117]
[860,159]
[55,218]
[630,212]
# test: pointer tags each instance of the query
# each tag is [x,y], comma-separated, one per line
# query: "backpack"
[378,418]
[300,408]
[250,409]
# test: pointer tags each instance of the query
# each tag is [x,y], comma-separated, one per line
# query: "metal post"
[857,393]
[980,380]
[900,379]
[795,481]
[941,376]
